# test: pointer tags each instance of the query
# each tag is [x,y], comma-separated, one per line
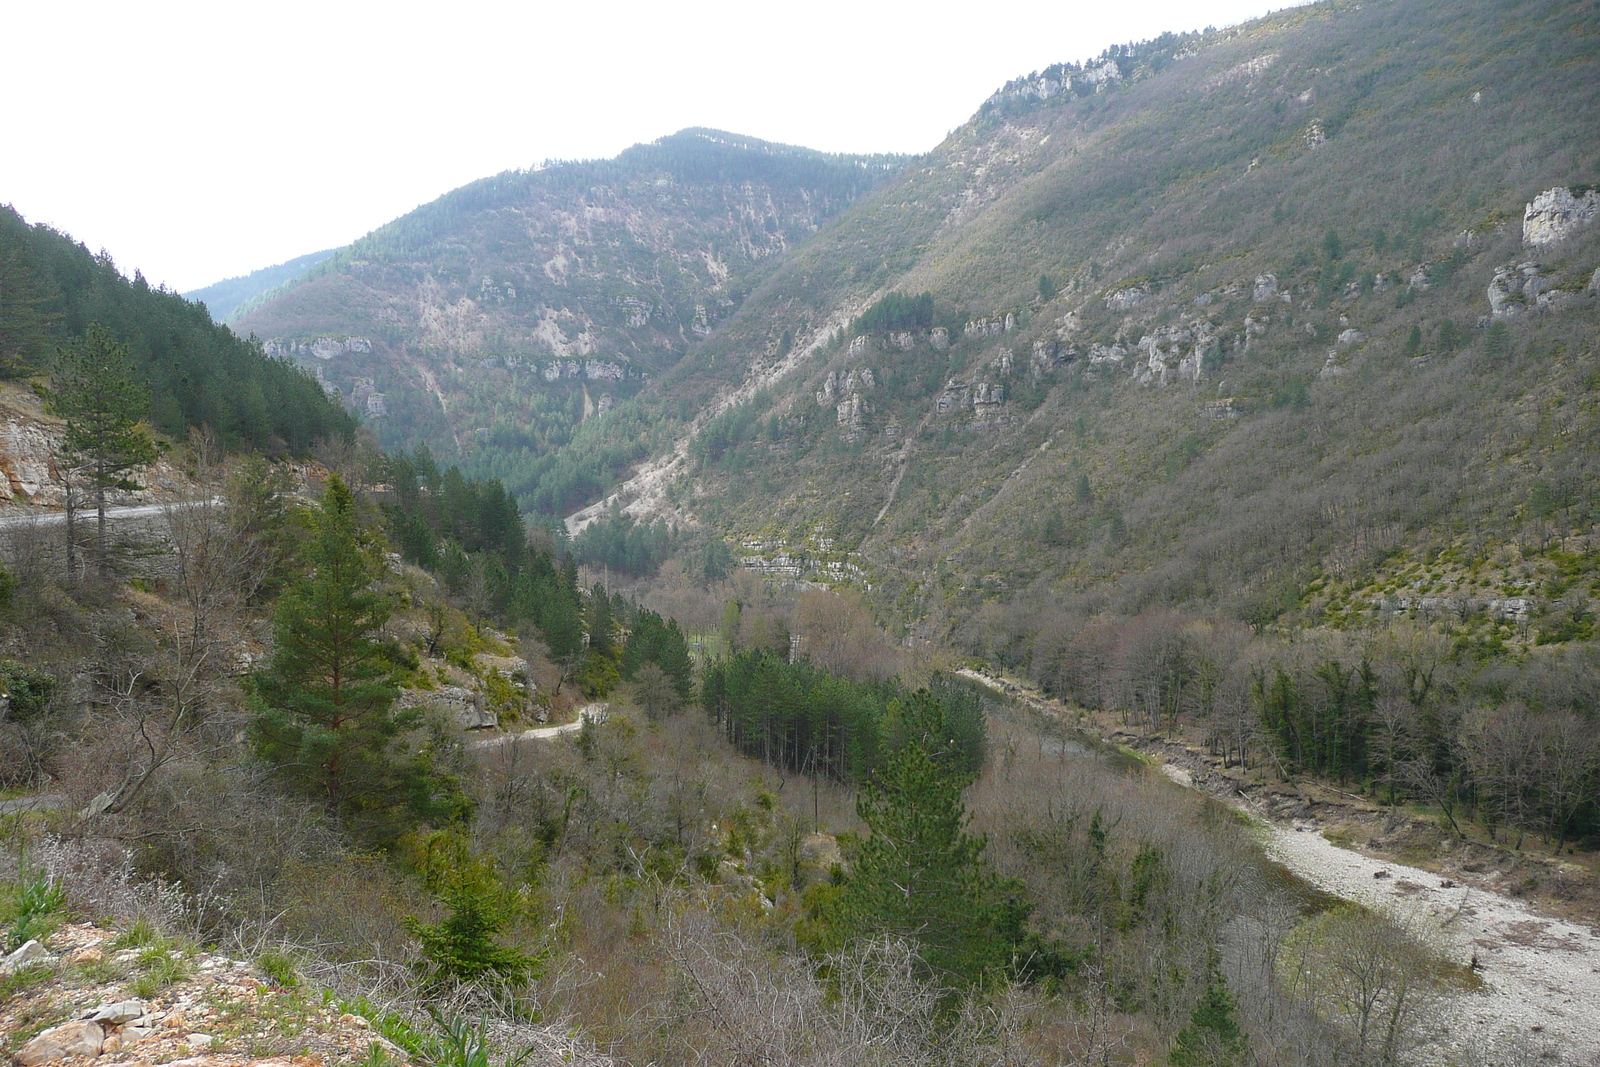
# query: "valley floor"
[1540,975]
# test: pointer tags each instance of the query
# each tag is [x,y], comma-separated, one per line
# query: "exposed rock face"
[991,326]
[1315,137]
[323,348]
[1266,288]
[1556,212]
[465,705]
[27,463]
[1516,288]
[1175,353]
[1127,299]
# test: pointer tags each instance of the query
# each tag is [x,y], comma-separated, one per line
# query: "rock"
[1266,288]
[1593,288]
[1556,212]
[116,1014]
[1126,299]
[1515,287]
[80,1038]
[1419,278]
[30,952]
[1315,136]
[1351,337]
[27,462]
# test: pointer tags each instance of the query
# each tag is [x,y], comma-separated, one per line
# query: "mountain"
[1273,321]
[52,289]
[491,322]
[233,296]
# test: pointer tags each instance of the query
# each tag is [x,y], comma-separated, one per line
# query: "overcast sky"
[195,141]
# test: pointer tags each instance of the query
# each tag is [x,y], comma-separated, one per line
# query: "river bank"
[1539,966]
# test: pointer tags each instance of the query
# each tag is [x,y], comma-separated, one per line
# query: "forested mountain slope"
[53,289]
[231,296]
[492,321]
[1226,319]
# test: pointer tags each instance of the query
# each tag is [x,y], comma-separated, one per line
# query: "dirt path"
[595,713]
[1541,976]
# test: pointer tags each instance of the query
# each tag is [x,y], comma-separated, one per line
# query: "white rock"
[30,952]
[81,1038]
[1556,212]
[116,1014]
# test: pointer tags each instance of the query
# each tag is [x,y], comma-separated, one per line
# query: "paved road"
[42,802]
[25,515]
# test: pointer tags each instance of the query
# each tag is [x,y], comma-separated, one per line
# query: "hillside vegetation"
[53,290]
[224,299]
[497,318]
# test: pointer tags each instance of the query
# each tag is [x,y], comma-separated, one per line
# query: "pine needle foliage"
[327,718]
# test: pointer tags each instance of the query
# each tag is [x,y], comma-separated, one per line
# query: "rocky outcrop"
[1127,299]
[323,348]
[1175,353]
[1517,288]
[193,1022]
[1556,212]
[27,463]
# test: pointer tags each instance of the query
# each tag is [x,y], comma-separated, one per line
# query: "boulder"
[79,1038]
[31,952]
[122,1011]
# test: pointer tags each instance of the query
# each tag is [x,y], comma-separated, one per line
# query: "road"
[595,713]
[42,802]
[24,516]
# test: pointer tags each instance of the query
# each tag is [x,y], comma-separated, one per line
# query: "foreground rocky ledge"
[94,995]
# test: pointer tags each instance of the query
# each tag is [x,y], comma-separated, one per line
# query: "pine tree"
[1213,1037]
[327,718]
[94,389]
[921,875]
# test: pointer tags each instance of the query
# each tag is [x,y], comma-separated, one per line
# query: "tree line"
[806,719]
[54,293]
[1510,743]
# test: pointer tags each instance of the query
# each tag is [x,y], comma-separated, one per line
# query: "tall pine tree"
[93,387]
[327,718]
[921,875]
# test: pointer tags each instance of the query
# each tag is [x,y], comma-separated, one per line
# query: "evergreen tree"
[95,391]
[921,875]
[1213,1037]
[327,718]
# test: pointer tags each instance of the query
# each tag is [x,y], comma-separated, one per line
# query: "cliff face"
[476,307]
[1214,319]
[30,445]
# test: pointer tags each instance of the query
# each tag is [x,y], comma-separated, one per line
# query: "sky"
[197,141]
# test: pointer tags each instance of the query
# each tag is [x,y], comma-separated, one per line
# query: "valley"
[1119,586]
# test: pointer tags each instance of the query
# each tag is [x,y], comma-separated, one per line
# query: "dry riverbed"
[1540,972]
